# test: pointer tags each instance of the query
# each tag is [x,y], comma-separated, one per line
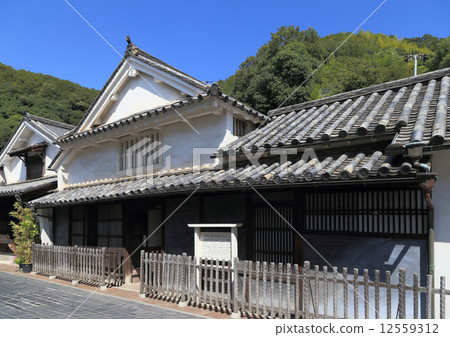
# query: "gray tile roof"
[27,186]
[214,91]
[52,128]
[158,64]
[415,107]
[358,167]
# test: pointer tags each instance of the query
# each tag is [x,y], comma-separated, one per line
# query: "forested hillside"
[280,66]
[41,95]
[263,81]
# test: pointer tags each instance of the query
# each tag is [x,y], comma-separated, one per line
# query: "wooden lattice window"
[375,212]
[239,127]
[139,152]
[273,237]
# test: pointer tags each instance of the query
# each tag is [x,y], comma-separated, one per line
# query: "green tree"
[280,66]
[441,59]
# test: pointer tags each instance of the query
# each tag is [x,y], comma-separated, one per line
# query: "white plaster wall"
[441,200]
[212,132]
[139,94]
[102,161]
[94,163]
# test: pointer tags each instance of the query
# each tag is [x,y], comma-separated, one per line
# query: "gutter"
[426,183]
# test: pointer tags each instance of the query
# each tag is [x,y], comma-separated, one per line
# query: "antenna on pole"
[415,57]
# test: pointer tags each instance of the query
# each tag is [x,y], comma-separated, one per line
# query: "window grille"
[238,127]
[273,237]
[140,152]
[396,211]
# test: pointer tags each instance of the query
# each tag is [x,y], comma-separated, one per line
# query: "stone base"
[182,304]
[236,315]
[142,296]
[103,287]
[52,277]
[74,282]
[33,273]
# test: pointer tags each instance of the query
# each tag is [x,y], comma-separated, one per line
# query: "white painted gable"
[136,87]
[26,135]
[139,94]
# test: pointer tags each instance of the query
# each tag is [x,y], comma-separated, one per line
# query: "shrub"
[25,232]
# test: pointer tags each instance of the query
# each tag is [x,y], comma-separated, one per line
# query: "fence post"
[51,250]
[74,265]
[183,298]
[306,285]
[127,266]
[141,276]
[442,298]
[429,294]
[236,313]
[102,269]
[401,294]
[34,259]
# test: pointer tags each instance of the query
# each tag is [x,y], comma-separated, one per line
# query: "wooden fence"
[97,265]
[288,291]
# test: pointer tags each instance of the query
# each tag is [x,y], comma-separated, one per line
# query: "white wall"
[441,200]
[94,163]
[102,160]
[212,131]
[139,94]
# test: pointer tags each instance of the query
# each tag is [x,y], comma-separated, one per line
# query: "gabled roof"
[214,91]
[416,108]
[51,129]
[359,167]
[134,52]
[157,63]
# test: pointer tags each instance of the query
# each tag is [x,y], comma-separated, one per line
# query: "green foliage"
[441,58]
[25,232]
[282,64]
[41,95]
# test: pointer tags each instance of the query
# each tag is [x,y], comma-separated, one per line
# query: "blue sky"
[207,39]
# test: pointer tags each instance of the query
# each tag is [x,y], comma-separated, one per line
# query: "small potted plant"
[25,232]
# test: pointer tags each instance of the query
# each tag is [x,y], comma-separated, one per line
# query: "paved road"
[22,297]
